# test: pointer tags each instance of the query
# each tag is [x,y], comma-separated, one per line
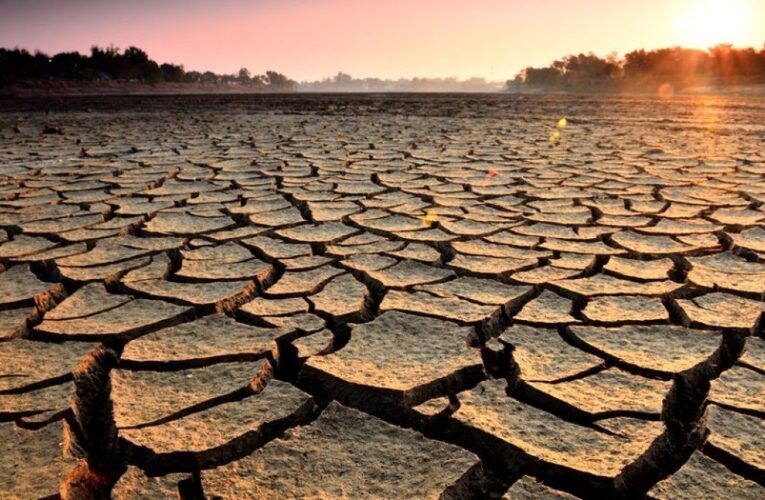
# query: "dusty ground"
[383,296]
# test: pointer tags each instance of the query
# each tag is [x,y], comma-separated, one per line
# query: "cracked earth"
[382,297]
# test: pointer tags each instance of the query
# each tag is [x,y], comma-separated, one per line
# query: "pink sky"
[311,39]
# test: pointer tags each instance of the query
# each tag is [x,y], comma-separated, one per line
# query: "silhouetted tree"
[343,78]
[192,77]
[105,61]
[720,65]
[172,72]
[19,64]
[109,63]
[209,77]
[244,76]
[278,81]
[546,77]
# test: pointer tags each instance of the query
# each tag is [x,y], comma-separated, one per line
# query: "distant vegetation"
[640,70]
[343,82]
[722,65]
[130,65]
[102,65]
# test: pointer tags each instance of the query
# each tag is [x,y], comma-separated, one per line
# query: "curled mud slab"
[382,297]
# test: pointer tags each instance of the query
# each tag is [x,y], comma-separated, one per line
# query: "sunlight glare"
[712,22]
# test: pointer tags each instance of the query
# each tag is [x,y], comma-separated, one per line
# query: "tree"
[209,77]
[109,63]
[546,77]
[723,64]
[343,78]
[172,72]
[278,81]
[136,65]
[244,76]
[104,61]
[192,77]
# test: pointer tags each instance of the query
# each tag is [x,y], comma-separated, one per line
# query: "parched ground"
[391,296]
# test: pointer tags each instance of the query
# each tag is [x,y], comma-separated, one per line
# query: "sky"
[313,39]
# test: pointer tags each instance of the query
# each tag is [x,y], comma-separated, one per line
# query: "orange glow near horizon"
[312,39]
[712,22]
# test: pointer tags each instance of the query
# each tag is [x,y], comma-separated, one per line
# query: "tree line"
[343,82]
[722,65]
[132,64]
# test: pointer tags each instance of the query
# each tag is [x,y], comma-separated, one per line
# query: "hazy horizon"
[310,40]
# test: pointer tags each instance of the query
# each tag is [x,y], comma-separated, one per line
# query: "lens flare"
[665,91]
[429,219]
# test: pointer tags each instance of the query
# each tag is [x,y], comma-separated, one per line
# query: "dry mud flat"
[382,297]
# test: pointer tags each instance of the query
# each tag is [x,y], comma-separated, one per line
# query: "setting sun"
[711,22]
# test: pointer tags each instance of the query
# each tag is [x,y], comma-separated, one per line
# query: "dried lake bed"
[383,296]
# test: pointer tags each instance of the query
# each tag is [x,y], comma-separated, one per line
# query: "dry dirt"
[382,296]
